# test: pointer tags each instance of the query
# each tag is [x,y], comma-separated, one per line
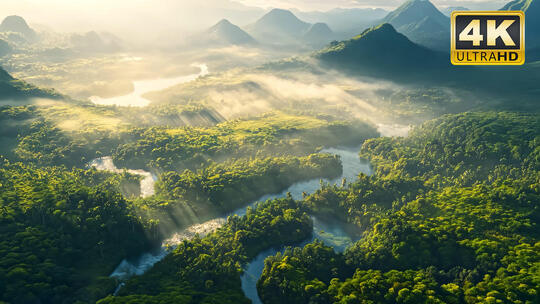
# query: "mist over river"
[330,233]
[333,234]
[136,99]
[148,179]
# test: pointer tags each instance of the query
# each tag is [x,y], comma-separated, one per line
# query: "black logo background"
[513,31]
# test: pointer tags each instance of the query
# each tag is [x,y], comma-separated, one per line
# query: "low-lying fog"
[167,54]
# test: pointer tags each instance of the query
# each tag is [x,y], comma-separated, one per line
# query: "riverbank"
[333,234]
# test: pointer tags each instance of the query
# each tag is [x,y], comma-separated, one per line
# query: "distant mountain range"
[532,20]
[5,48]
[16,30]
[383,52]
[318,34]
[18,35]
[277,27]
[282,27]
[419,20]
[226,33]
[278,24]
[422,23]
[344,19]
[17,24]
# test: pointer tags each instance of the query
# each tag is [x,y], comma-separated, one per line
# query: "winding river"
[136,99]
[147,181]
[331,234]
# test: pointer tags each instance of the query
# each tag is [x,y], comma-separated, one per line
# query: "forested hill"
[64,227]
[4,76]
[12,88]
[383,52]
[463,149]
[532,20]
[61,233]
[451,216]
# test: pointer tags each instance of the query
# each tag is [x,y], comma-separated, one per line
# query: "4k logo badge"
[488,38]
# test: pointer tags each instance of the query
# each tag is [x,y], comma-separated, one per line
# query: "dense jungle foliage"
[430,234]
[208,270]
[62,232]
[189,197]
[145,177]
[17,89]
[450,215]
[73,135]
[271,134]
[66,226]
[463,230]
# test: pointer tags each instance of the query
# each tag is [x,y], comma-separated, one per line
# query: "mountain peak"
[413,11]
[380,37]
[320,25]
[421,22]
[420,2]
[224,32]
[532,22]
[319,29]
[279,24]
[383,29]
[278,15]
[319,34]
[382,52]
[16,24]
[223,22]
[280,12]
[386,26]
[520,5]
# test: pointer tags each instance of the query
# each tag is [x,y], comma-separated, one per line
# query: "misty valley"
[229,152]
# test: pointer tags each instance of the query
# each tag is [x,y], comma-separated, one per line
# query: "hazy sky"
[388,4]
[143,17]
[126,17]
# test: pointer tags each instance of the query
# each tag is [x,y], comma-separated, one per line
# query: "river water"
[147,182]
[331,234]
[136,99]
